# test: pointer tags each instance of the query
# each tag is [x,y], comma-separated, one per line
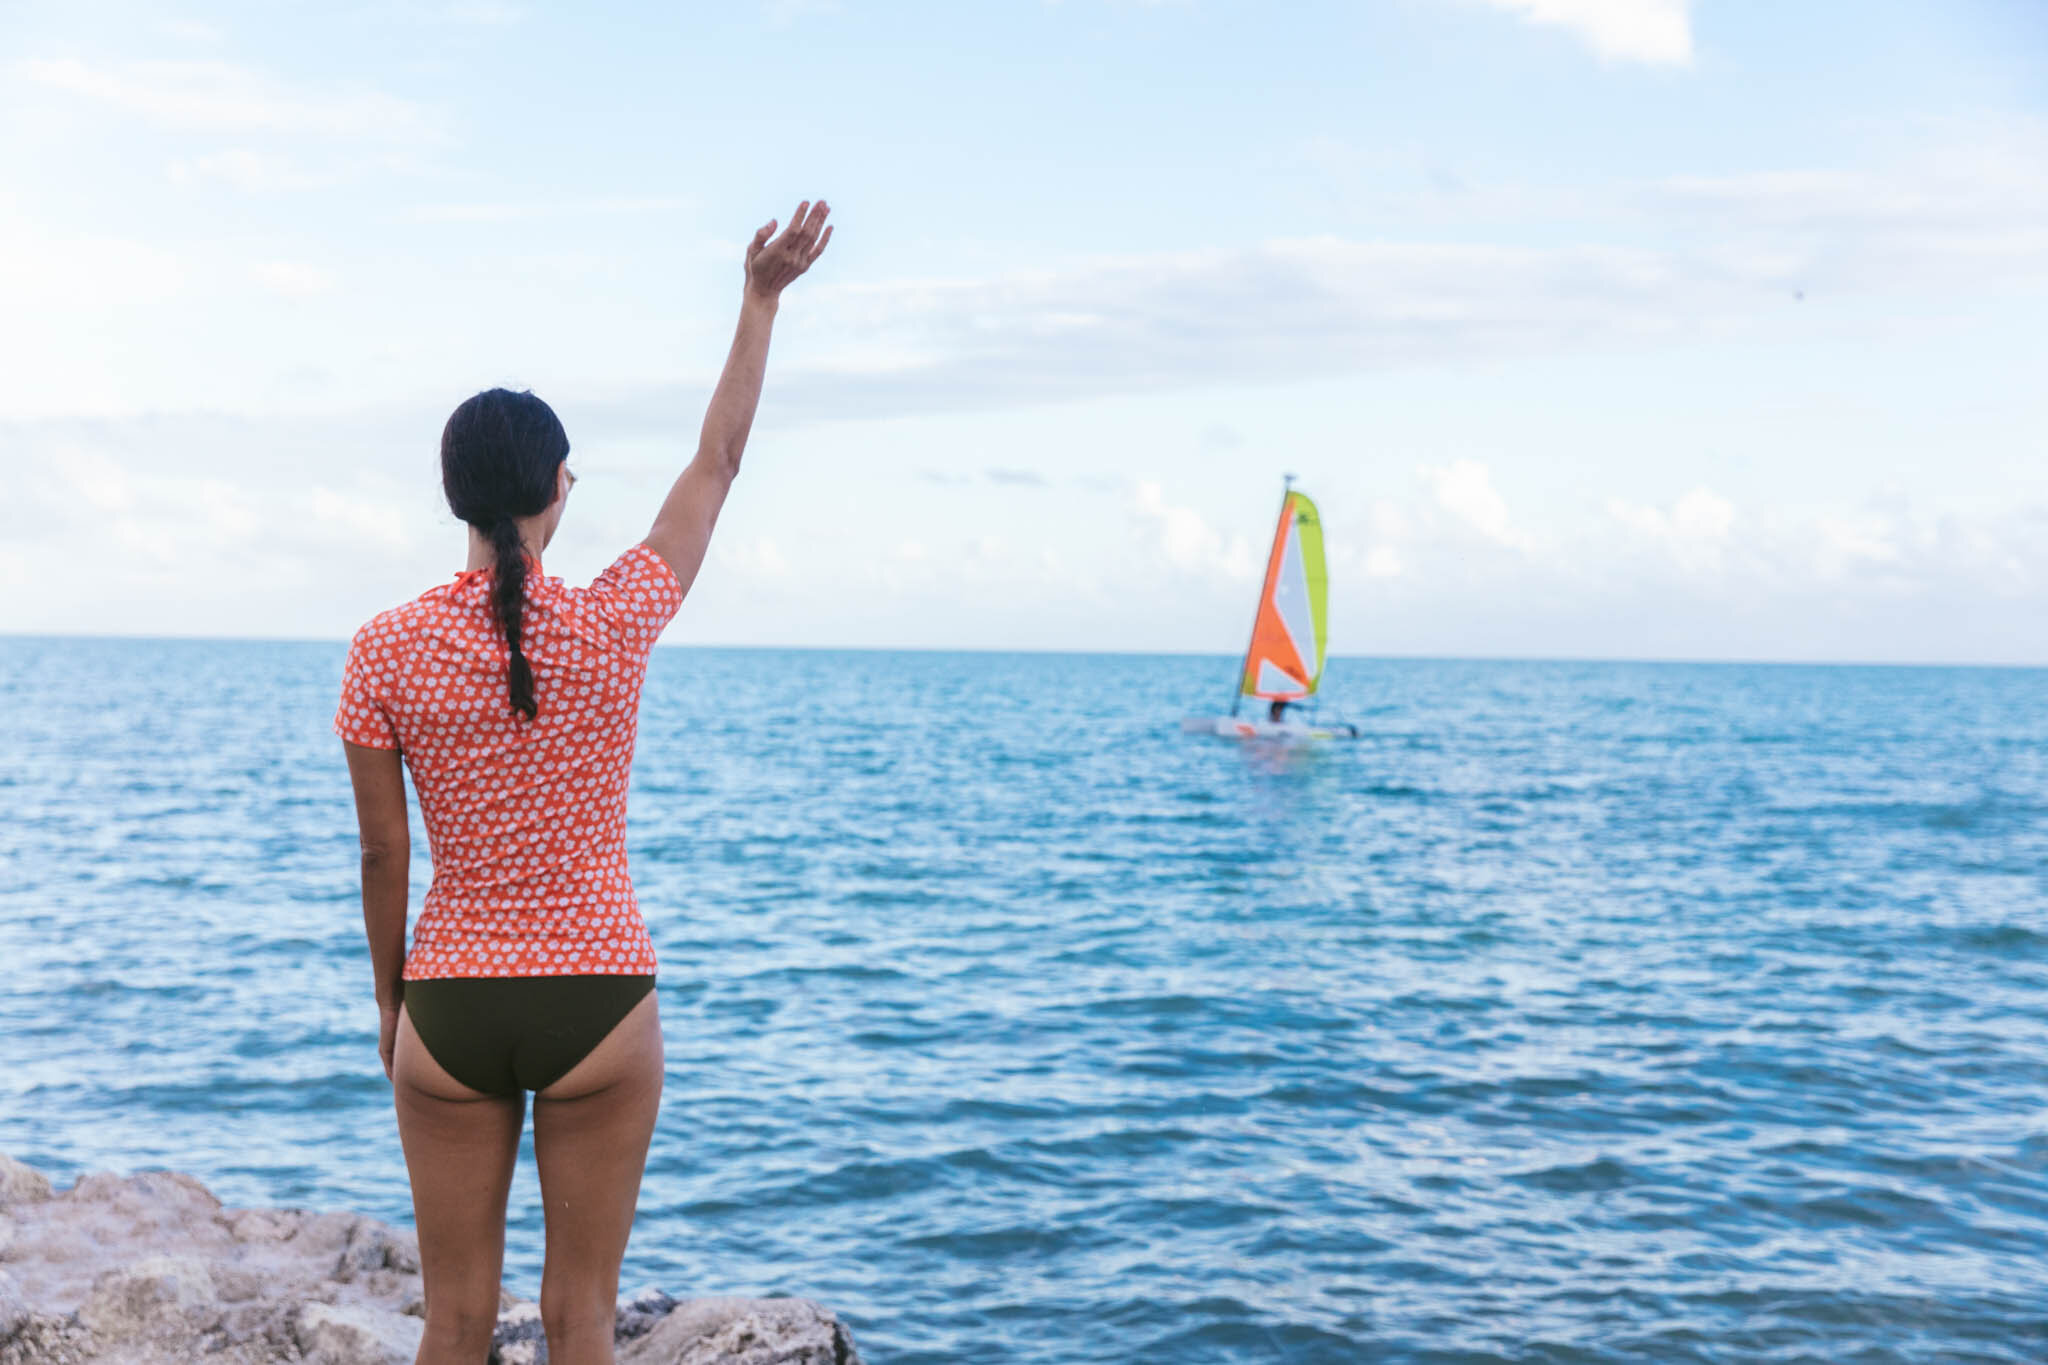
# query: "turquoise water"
[1580,1012]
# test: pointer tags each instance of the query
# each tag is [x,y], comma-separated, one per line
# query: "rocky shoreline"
[152,1269]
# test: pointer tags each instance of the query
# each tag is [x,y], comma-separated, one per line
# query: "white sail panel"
[1291,600]
[1273,678]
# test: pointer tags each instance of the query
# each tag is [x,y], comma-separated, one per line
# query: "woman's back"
[526,819]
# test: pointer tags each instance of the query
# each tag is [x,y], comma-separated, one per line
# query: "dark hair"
[499,455]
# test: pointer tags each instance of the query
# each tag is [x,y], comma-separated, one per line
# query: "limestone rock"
[336,1334]
[13,1307]
[371,1246]
[740,1331]
[265,1323]
[21,1183]
[326,1232]
[149,1210]
[520,1338]
[262,1225]
[237,1286]
[155,1296]
[146,1192]
[45,1339]
[57,1244]
[639,1313]
[150,1269]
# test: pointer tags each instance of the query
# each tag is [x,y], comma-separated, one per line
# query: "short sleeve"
[640,592]
[364,717]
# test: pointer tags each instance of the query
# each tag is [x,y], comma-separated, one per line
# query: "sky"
[1691,329]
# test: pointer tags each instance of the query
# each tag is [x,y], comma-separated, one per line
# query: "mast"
[1244,666]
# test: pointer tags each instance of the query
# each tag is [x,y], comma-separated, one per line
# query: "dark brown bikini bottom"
[499,1034]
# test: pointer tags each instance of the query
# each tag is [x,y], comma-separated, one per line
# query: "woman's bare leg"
[460,1147]
[590,1134]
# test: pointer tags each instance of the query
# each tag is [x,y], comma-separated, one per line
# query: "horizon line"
[1059,652]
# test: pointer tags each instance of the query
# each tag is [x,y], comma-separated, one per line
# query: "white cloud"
[1284,310]
[1732,254]
[294,279]
[192,31]
[85,291]
[1698,577]
[1465,489]
[1386,519]
[1658,32]
[97,480]
[214,96]
[1955,219]
[1694,532]
[206,525]
[371,521]
[46,271]
[1184,540]
[530,210]
[246,170]
[759,557]
[1846,544]
[1973,205]
[253,517]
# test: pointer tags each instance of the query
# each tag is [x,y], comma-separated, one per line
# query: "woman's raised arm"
[682,529]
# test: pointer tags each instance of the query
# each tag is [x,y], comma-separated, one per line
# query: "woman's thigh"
[591,1131]
[460,1149]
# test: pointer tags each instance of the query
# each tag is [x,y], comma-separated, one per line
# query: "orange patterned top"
[526,820]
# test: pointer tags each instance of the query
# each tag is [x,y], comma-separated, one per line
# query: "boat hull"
[1230,727]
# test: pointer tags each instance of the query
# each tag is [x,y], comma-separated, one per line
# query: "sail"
[1285,661]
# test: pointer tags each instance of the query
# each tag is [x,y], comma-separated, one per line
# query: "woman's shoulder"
[638,584]
[638,564]
[396,622]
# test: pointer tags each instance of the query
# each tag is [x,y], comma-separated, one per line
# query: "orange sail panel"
[1285,662]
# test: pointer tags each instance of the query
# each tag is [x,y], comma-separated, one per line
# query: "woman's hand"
[387,1035]
[772,265]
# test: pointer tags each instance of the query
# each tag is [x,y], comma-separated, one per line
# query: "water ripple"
[1577,1013]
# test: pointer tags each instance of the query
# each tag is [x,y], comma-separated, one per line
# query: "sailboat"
[1290,634]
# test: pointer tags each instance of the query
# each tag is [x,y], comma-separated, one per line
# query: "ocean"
[1579,1012]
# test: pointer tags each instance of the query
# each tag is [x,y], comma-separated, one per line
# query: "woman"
[513,699]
